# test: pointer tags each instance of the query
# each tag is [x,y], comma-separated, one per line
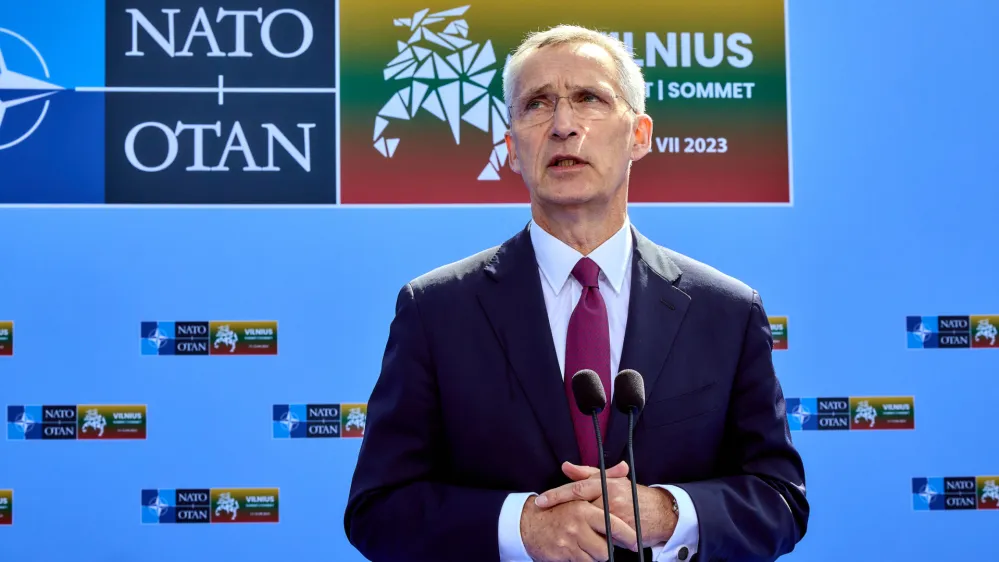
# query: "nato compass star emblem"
[17,88]
[24,422]
[922,332]
[928,493]
[158,506]
[290,421]
[158,338]
[801,413]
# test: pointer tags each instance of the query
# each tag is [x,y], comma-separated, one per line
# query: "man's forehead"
[574,66]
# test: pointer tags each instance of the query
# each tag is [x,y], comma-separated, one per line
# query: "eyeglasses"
[587,105]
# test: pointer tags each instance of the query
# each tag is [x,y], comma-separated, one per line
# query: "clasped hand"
[567,523]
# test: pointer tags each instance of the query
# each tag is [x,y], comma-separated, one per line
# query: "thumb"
[620,470]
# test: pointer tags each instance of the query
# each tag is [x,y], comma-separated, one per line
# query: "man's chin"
[566,196]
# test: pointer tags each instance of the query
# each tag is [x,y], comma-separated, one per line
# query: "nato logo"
[159,506]
[948,493]
[297,421]
[289,421]
[175,338]
[24,422]
[158,338]
[927,494]
[935,332]
[802,413]
[145,102]
[922,332]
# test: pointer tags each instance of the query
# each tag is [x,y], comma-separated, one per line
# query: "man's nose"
[564,122]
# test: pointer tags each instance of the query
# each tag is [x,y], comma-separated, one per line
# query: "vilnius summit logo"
[953,332]
[210,505]
[852,413]
[6,338]
[84,422]
[258,337]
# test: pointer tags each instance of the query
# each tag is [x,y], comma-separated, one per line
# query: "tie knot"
[586,272]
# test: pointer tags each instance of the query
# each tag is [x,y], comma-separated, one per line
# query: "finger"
[580,472]
[586,490]
[618,500]
[593,544]
[629,521]
[621,533]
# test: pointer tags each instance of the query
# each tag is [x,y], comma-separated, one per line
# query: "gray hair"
[630,77]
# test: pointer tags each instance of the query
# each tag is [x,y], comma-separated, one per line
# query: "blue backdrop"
[894,215]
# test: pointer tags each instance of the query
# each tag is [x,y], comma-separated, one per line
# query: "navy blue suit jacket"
[470,406]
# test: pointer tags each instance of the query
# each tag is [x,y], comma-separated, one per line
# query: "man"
[474,448]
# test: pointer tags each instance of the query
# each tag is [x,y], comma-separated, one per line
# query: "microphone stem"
[634,483]
[603,488]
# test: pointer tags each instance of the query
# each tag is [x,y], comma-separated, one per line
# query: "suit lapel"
[655,311]
[516,310]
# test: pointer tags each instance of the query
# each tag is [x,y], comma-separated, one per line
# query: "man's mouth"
[565,161]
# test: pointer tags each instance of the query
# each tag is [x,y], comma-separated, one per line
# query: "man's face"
[581,153]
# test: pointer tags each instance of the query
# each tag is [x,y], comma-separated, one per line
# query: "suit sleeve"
[400,505]
[757,511]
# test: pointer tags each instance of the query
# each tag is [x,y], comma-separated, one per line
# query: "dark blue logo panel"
[220,104]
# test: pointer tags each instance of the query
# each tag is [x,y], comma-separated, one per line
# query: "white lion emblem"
[865,412]
[445,73]
[990,491]
[227,504]
[228,337]
[356,419]
[95,421]
[986,330]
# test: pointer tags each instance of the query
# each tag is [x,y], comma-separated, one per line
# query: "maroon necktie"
[587,346]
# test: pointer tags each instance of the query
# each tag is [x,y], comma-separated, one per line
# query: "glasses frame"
[572,107]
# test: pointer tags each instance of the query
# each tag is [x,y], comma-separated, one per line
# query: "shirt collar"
[556,258]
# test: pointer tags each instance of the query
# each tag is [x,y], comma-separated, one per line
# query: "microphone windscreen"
[589,391]
[629,391]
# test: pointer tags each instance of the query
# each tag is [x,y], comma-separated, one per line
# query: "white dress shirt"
[561,290]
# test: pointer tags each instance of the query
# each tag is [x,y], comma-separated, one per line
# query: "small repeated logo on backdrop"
[297,421]
[210,505]
[354,418]
[950,332]
[6,338]
[6,507]
[85,422]
[955,493]
[851,413]
[778,327]
[214,337]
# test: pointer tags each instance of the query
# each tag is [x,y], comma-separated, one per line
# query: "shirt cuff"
[511,543]
[682,544]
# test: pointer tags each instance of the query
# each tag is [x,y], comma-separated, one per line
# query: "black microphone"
[629,398]
[591,399]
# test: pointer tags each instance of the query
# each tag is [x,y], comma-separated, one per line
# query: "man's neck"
[579,229]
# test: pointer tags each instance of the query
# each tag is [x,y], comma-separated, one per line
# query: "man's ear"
[511,153]
[641,137]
